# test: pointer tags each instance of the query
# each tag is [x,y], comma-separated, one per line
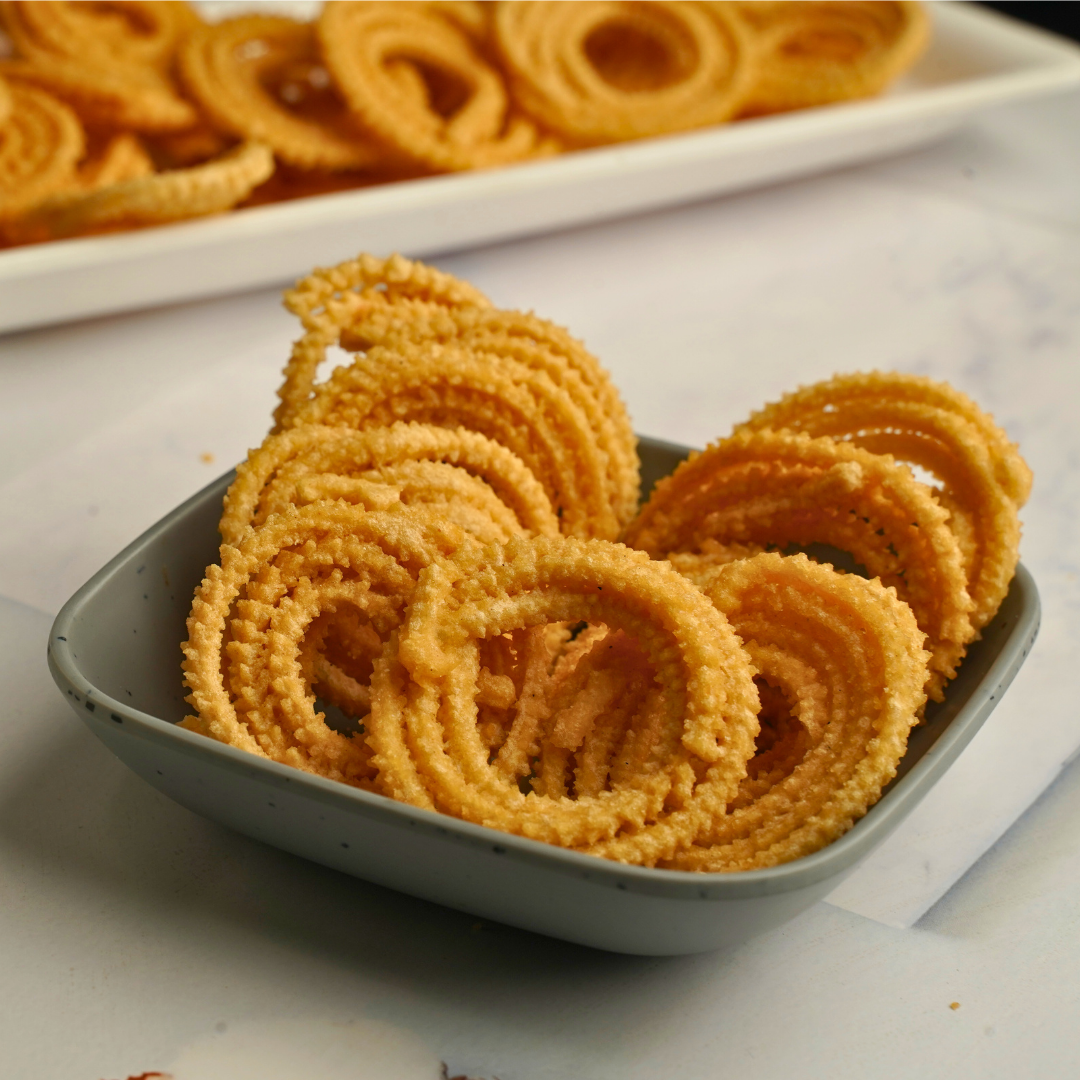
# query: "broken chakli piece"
[439,539]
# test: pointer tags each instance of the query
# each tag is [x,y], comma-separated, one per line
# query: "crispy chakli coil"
[699,712]
[275,475]
[154,198]
[813,53]
[604,72]
[329,301]
[40,144]
[261,77]
[536,343]
[247,662]
[119,33]
[847,655]
[110,61]
[778,490]
[518,406]
[417,83]
[981,476]
[418,314]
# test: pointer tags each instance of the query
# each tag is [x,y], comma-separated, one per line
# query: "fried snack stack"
[981,478]
[91,86]
[422,590]
[776,490]
[120,115]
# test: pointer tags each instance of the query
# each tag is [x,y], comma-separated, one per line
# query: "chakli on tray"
[120,115]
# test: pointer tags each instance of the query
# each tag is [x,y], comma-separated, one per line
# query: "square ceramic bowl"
[115,653]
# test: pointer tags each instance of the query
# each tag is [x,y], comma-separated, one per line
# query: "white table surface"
[135,936]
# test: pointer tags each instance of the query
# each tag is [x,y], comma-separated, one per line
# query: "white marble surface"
[159,937]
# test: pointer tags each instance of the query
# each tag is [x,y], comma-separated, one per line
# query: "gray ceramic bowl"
[115,653]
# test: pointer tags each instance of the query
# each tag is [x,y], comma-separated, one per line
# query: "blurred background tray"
[977,59]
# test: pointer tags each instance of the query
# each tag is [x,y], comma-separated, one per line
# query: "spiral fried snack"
[457,477]
[153,198]
[41,141]
[111,33]
[329,462]
[982,477]
[429,321]
[395,548]
[259,618]
[780,489]
[602,72]
[417,83]
[686,746]
[329,301]
[813,53]
[535,343]
[110,61]
[518,406]
[843,655]
[261,77]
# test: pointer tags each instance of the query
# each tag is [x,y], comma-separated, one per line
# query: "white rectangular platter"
[978,59]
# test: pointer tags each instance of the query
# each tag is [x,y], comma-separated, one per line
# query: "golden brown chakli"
[375,92]
[433,585]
